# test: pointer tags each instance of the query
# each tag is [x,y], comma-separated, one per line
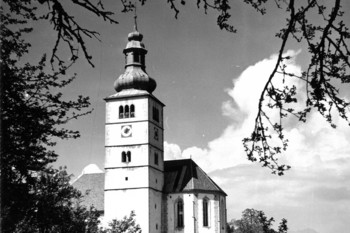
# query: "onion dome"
[135,76]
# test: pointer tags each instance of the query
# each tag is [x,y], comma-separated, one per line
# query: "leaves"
[69,31]
[329,64]
[328,43]
[256,221]
[125,225]
[34,196]
[221,6]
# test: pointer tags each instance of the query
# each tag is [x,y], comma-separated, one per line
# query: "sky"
[210,81]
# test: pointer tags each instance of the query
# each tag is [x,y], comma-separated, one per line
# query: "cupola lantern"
[135,76]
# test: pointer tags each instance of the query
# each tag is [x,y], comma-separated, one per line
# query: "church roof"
[92,187]
[180,176]
[186,176]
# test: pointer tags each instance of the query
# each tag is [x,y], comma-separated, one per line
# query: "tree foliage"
[125,225]
[34,196]
[327,40]
[255,221]
[53,206]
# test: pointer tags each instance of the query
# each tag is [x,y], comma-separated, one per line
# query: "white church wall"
[139,156]
[133,177]
[188,200]
[141,108]
[160,155]
[116,207]
[156,179]
[122,178]
[155,206]
[223,211]
[211,213]
[138,135]
[156,136]
[193,213]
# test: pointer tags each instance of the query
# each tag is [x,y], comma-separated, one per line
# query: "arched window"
[128,157]
[123,157]
[132,111]
[126,111]
[205,212]
[121,112]
[179,213]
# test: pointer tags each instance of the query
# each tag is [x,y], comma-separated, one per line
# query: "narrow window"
[121,112]
[132,111]
[155,158]
[123,157]
[205,212]
[128,157]
[155,114]
[136,57]
[126,111]
[179,208]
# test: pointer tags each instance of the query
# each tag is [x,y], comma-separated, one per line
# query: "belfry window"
[121,112]
[126,111]
[126,157]
[123,157]
[205,212]
[132,110]
[126,114]
[179,213]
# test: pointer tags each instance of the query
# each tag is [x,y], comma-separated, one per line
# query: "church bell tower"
[134,160]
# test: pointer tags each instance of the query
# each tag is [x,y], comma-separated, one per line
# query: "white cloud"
[171,151]
[91,168]
[314,194]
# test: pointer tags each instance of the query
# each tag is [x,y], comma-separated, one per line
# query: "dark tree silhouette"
[33,113]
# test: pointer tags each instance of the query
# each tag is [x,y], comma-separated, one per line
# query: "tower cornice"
[132,94]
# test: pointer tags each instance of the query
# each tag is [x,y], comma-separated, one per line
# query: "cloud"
[314,194]
[171,151]
[91,168]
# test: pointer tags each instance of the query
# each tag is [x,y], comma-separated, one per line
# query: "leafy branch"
[328,67]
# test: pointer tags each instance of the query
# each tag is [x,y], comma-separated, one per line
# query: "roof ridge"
[210,179]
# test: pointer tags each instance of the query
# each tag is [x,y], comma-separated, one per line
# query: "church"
[166,196]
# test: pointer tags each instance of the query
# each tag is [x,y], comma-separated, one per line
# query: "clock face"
[126,131]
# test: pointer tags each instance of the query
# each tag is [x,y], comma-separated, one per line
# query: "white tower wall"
[134,161]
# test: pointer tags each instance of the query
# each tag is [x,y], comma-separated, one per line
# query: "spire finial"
[135,17]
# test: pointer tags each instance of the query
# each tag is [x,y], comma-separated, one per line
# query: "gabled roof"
[92,187]
[186,176]
[180,176]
